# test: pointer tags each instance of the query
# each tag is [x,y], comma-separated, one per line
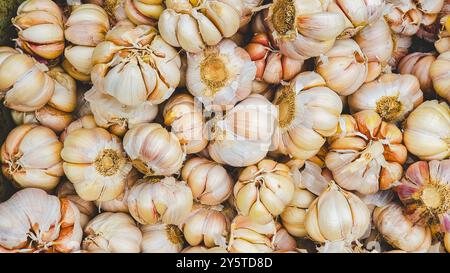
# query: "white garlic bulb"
[209,181]
[418,64]
[161,238]
[87,122]
[439,73]
[283,241]
[33,221]
[94,161]
[78,62]
[248,236]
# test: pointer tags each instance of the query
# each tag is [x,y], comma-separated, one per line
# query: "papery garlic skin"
[220,75]
[443,43]
[337,215]
[247,236]
[344,67]
[116,117]
[440,75]
[419,64]
[87,122]
[367,153]
[242,137]
[207,226]
[392,96]
[425,191]
[112,233]
[283,241]
[165,200]
[153,150]
[40,28]
[209,181]
[94,161]
[30,157]
[202,249]
[161,238]
[402,44]
[33,221]
[137,59]
[263,191]
[427,131]
[308,112]
[23,84]
[399,231]
[194,25]
[185,117]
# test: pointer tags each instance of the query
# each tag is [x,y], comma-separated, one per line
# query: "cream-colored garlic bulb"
[207,226]
[440,75]
[40,27]
[185,117]
[377,43]
[87,122]
[399,231]
[194,25]
[153,150]
[20,118]
[366,154]
[202,249]
[272,67]
[344,67]
[427,131]
[24,85]
[248,236]
[264,190]
[418,64]
[220,74]
[136,59]
[243,135]
[392,96]
[78,62]
[87,208]
[283,241]
[209,181]
[161,238]
[112,233]
[33,221]
[301,28]
[337,215]
[308,112]
[116,117]
[30,157]
[154,199]
[94,161]
[443,43]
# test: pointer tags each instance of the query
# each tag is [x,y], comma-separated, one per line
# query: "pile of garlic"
[227,126]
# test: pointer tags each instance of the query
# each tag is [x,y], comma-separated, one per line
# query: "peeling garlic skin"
[439,73]
[161,238]
[248,236]
[30,157]
[399,231]
[33,221]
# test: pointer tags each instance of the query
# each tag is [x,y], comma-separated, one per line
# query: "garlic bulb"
[153,150]
[243,135]
[301,28]
[427,131]
[40,25]
[161,238]
[402,44]
[392,96]
[264,190]
[95,163]
[337,215]
[440,75]
[185,117]
[202,249]
[443,43]
[425,191]
[116,117]
[30,157]
[20,118]
[145,12]
[308,112]
[209,181]
[377,43]
[283,241]
[87,122]
[418,64]
[33,221]
[248,236]
[344,67]
[399,231]
[367,153]
[193,25]
[23,84]
[137,59]
[78,62]
[87,208]
[206,225]
[112,233]
[165,200]
[271,66]
[220,74]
